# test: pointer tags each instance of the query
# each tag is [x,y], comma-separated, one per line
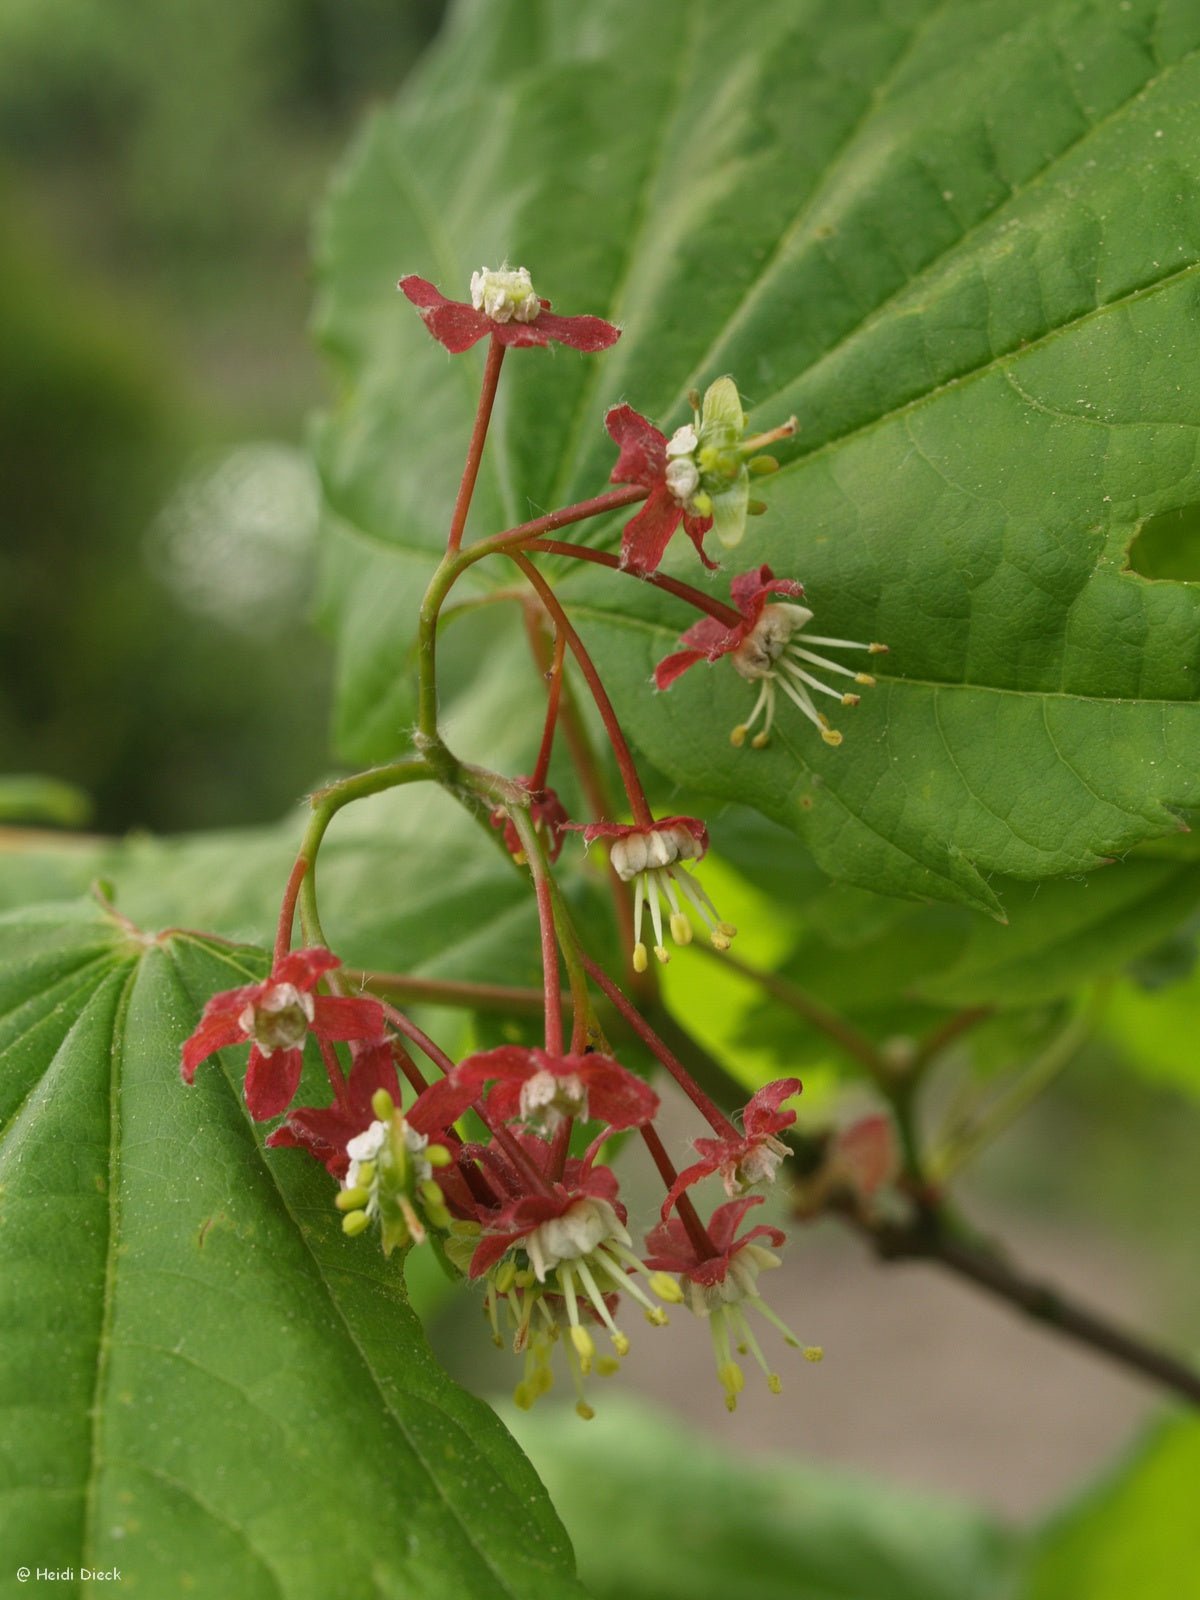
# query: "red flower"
[585,1201]
[546,812]
[709,639]
[751,1159]
[504,306]
[277,1017]
[671,1249]
[643,461]
[325,1131]
[769,647]
[538,1087]
[652,856]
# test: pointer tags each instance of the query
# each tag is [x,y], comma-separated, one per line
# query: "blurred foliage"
[157,170]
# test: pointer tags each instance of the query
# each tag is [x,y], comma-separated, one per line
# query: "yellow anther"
[774,1383]
[430,1192]
[666,1288]
[524,1396]
[851,699]
[606,1366]
[354,1223]
[733,1381]
[702,504]
[737,736]
[585,1347]
[761,465]
[866,678]
[520,857]
[662,953]
[640,959]
[620,1344]
[437,1155]
[524,1278]
[813,1352]
[719,940]
[366,1174]
[760,741]
[351,1199]
[582,1409]
[505,1277]
[755,508]
[728,929]
[831,736]
[657,1316]
[878,649]
[382,1105]
[681,928]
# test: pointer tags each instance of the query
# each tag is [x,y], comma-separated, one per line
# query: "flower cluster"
[540,1228]
[498,1161]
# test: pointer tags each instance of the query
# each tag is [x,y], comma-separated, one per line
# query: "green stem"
[326,803]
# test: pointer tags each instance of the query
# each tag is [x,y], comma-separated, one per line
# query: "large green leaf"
[1135,1537]
[204,1383]
[960,241]
[657,1513]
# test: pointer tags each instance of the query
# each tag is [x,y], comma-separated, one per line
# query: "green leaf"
[1155,1031]
[1134,1535]
[205,1383]
[960,242]
[34,798]
[657,1512]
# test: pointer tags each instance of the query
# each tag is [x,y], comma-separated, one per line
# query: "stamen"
[821,661]
[807,677]
[844,644]
[653,879]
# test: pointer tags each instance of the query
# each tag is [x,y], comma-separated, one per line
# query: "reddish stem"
[688,1215]
[287,911]
[638,803]
[658,580]
[333,1070]
[487,396]
[419,1037]
[560,1148]
[412,1072]
[440,1059]
[580,511]
[552,1007]
[555,675]
[711,1113]
[587,768]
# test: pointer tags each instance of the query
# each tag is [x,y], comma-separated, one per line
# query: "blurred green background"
[159,166]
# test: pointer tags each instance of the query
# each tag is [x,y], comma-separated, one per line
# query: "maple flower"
[700,476]
[389,1175]
[541,1089]
[747,1161]
[277,1016]
[549,818]
[554,1261]
[643,461]
[768,646]
[325,1131]
[503,304]
[653,856]
[717,1285]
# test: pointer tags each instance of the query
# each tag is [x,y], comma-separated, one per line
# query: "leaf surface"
[205,1384]
[960,241]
